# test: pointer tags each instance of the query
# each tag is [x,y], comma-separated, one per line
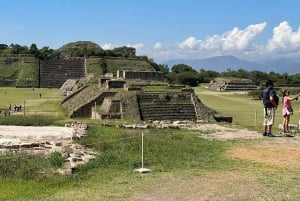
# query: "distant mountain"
[283,66]
[223,63]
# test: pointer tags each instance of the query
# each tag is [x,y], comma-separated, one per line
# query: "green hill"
[18,70]
[79,47]
[101,65]
[22,70]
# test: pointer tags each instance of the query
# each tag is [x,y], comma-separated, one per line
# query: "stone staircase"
[234,84]
[238,86]
[80,104]
[54,72]
[166,106]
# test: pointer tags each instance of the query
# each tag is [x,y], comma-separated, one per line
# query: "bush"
[56,159]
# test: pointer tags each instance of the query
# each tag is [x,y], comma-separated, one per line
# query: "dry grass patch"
[281,156]
[213,186]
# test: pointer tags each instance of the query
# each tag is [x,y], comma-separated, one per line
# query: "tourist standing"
[287,110]
[270,101]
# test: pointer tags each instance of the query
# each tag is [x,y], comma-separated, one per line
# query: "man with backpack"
[270,101]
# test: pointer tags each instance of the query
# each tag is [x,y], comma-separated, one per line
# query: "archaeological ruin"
[232,84]
[122,96]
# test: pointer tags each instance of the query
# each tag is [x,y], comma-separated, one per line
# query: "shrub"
[56,159]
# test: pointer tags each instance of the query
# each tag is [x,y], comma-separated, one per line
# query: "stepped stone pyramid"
[54,72]
[234,84]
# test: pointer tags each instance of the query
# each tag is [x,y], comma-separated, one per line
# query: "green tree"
[3,46]
[207,76]
[188,78]
[180,68]
[124,51]
[18,49]
[34,50]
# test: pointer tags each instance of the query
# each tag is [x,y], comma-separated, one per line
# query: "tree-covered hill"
[80,48]
[19,65]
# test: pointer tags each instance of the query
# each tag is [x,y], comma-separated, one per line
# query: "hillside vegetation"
[19,65]
[18,70]
[101,65]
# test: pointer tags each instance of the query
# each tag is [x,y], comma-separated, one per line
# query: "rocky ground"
[45,140]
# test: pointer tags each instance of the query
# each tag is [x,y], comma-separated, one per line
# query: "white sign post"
[142,169]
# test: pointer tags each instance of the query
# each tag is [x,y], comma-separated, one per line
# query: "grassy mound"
[18,70]
[101,65]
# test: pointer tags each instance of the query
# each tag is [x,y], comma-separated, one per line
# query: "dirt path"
[228,185]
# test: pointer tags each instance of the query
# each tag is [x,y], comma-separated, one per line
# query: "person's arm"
[273,102]
[295,98]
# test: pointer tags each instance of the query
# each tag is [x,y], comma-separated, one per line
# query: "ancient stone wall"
[222,84]
[54,72]
[85,109]
[143,75]
[103,82]
[115,84]
[166,106]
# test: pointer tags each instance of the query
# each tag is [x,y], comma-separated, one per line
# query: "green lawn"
[31,101]
[246,111]
[181,163]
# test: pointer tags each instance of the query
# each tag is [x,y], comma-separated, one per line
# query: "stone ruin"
[54,72]
[48,139]
[124,99]
[234,84]
[142,75]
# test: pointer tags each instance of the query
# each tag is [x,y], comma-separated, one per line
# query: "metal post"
[142,149]
[142,169]
[255,116]
[95,110]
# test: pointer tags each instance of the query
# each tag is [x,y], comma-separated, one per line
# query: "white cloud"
[190,43]
[107,46]
[157,46]
[234,40]
[237,42]
[284,39]
[137,46]
[242,39]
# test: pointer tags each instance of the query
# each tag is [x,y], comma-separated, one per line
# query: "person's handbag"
[289,110]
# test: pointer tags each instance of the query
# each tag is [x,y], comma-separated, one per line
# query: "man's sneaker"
[271,135]
[265,134]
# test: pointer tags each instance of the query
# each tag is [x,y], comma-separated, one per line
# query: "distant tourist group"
[16,108]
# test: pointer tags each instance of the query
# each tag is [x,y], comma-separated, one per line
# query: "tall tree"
[124,51]
[180,68]
[34,50]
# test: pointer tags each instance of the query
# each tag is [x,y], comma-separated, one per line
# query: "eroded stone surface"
[47,139]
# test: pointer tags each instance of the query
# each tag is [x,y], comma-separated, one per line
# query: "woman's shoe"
[271,135]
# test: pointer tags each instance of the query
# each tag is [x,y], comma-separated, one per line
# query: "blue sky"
[159,29]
